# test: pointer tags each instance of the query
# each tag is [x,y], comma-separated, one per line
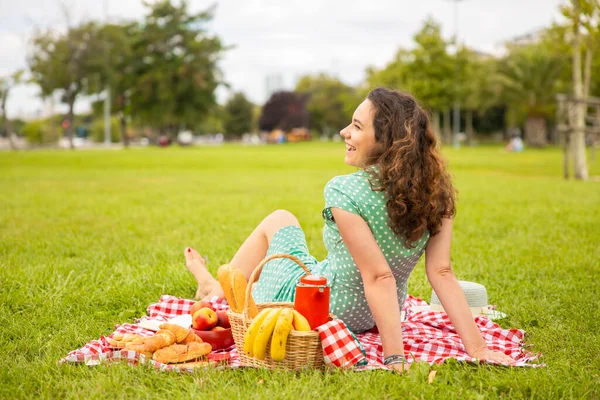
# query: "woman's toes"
[196,255]
[189,257]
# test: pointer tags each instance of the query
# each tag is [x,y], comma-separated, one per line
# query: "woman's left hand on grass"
[401,368]
[495,356]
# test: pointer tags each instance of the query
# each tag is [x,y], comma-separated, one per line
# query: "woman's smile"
[349,149]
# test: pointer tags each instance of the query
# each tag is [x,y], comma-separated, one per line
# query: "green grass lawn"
[89,239]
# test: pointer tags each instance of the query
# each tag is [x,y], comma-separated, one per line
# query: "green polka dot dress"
[351,193]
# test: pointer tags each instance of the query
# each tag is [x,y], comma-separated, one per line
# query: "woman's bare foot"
[207,284]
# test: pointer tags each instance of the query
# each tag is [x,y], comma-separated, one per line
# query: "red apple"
[223,319]
[204,319]
[200,304]
[218,328]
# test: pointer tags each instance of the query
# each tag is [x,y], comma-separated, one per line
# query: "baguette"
[224,278]
[233,282]
[238,286]
[252,309]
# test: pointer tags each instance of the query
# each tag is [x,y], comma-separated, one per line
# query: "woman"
[378,222]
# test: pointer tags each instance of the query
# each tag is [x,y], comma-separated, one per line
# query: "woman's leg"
[250,254]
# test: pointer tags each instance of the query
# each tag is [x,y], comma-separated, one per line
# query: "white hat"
[477,299]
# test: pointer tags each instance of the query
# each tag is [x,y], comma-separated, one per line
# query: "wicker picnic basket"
[302,350]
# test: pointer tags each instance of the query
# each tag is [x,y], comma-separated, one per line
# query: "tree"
[331,102]
[529,79]
[212,122]
[427,72]
[432,71]
[238,115]
[583,16]
[65,63]
[479,88]
[6,84]
[284,110]
[115,66]
[175,67]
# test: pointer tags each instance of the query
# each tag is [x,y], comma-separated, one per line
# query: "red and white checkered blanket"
[428,336]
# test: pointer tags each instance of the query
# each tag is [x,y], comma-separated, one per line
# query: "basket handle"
[256,273]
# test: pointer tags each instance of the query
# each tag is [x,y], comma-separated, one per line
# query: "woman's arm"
[442,279]
[378,280]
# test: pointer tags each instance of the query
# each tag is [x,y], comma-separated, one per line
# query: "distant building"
[524,39]
[273,83]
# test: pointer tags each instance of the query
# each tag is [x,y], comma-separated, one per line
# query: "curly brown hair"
[411,170]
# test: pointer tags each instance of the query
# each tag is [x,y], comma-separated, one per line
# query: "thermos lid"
[313,280]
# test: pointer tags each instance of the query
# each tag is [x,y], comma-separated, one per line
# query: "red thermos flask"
[312,299]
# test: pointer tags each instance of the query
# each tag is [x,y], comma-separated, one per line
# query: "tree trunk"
[566,151]
[124,137]
[587,72]
[535,131]
[11,140]
[554,139]
[447,133]
[469,127]
[6,121]
[70,120]
[436,123]
[597,131]
[579,108]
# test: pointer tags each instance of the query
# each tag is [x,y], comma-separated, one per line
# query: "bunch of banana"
[274,324]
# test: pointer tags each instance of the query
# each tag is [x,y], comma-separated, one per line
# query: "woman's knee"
[283,218]
[276,220]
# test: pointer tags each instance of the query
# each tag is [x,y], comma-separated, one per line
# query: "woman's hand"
[489,355]
[400,368]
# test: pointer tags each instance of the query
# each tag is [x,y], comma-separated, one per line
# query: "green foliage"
[479,87]
[432,70]
[427,71]
[162,72]
[41,131]
[529,78]
[239,113]
[212,122]
[66,62]
[89,239]
[6,85]
[559,39]
[175,66]
[97,131]
[118,59]
[331,102]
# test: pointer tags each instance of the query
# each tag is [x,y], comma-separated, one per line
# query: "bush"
[97,132]
[40,131]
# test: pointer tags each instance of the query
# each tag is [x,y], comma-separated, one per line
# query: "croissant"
[177,353]
[119,341]
[179,331]
[191,337]
[162,338]
[138,348]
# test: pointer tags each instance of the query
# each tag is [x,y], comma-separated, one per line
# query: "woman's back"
[353,193]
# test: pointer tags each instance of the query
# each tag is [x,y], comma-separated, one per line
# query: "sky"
[284,38]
